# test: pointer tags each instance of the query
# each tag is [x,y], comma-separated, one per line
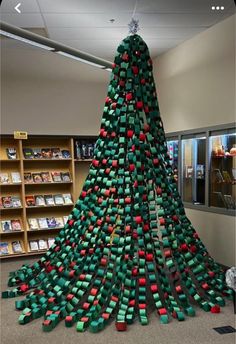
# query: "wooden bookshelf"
[78,169]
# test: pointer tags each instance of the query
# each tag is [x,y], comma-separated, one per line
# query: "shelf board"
[10,184]
[49,183]
[223,156]
[10,160]
[11,208]
[83,160]
[13,255]
[66,159]
[23,254]
[44,230]
[12,232]
[49,206]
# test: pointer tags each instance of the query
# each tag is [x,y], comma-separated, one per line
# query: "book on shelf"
[4,178]
[37,153]
[51,222]
[11,153]
[37,178]
[234,173]
[43,245]
[49,200]
[56,177]
[46,178]
[39,200]
[28,153]
[65,154]
[15,177]
[56,153]
[33,245]
[220,201]
[58,199]
[30,201]
[28,177]
[67,198]
[4,248]
[42,221]
[217,176]
[65,176]
[16,202]
[6,226]
[84,150]
[16,246]
[200,171]
[16,225]
[46,153]
[226,177]
[33,224]
[51,241]
[229,201]
[65,219]
[7,202]
[188,171]
[59,222]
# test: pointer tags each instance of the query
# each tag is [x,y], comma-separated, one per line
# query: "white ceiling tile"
[194,6]
[177,19]
[27,6]
[83,6]
[86,20]
[108,33]
[23,20]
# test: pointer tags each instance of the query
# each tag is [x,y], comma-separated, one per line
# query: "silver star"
[133,26]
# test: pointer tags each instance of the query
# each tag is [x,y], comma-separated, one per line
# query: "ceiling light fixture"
[24,40]
[80,59]
[31,38]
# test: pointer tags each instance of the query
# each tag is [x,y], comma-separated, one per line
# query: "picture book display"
[11,225]
[11,153]
[49,200]
[39,200]
[84,149]
[4,178]
[16,246]
[30,201]
[11,202]
[33,224]
[15,177]
[58,199]
[10,178]
[46,177]
[47,222]
[33,244]
[46,153]
[4,248]
[43,245]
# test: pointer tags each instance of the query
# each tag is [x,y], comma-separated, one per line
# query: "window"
[223,170]
[193,170]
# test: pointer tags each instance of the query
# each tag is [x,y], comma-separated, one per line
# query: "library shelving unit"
[76,166]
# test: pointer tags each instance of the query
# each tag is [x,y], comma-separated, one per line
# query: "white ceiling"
[85,24]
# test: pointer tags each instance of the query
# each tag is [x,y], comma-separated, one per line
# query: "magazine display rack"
[40,180]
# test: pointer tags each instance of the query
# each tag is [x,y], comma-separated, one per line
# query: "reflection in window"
[193,170]
[223,171]
[173,153]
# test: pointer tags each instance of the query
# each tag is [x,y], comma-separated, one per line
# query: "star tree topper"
[133,26]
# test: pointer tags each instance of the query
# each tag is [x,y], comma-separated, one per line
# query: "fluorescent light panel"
[25,40]
[80,59]
[39,45]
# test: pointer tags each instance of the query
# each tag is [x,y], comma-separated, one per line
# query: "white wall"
[52,107]
[196,80]
[196,88]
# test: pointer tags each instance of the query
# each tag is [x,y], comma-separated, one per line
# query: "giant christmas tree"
[128,235]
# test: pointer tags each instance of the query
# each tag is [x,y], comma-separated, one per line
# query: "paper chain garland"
[128,234]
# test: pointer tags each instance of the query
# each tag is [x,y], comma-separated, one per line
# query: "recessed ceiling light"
[222,8]
[213,8]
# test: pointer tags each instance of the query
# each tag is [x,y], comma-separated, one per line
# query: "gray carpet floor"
[197,330]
